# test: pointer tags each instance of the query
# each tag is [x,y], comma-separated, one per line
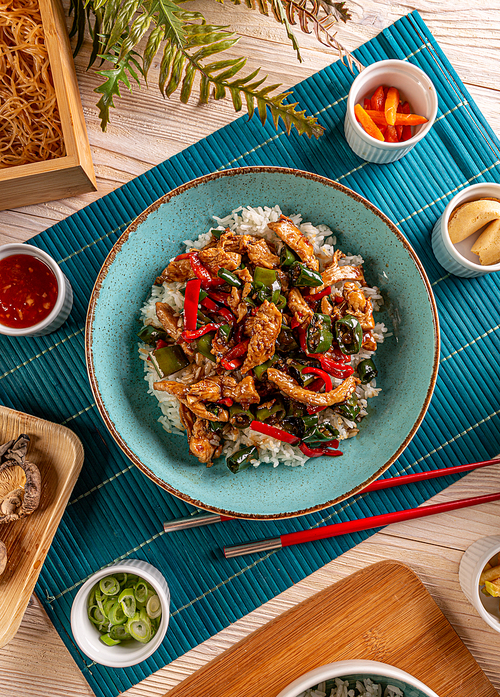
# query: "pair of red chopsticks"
[293,538]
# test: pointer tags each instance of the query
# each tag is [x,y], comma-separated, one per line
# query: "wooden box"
[60,177]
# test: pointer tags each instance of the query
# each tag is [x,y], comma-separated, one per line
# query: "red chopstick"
[206,518]
[377,521]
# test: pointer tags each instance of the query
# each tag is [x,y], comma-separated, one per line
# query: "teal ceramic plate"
[407,362]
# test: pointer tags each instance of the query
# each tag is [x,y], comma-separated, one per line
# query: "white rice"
[254,221]
[364,688]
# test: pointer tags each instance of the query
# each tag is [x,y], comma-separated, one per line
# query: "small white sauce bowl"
[414,86]
[131,652]
[376,671]
[472,564]
[64,302]
[457,258]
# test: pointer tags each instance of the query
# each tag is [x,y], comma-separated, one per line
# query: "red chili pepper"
[226,402]
[191,300]
[240,329]
[193,335]
[160,343]
[321,373]
[219,296]
[311,300]
[225,314]
[338,370]
[187,255]
[201,272]
[231,365]
[339,299]
[209,304]
[322,450]
[314,410]
[321,294]
[274,432]
[237,351]
[294,323]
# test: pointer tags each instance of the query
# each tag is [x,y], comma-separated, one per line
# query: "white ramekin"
[87,636]
[413,84]
[458,259]
[64,302]
[471,565]
[372,669]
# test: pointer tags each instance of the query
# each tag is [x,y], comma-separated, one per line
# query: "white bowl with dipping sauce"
[64,300]
[414,86]
[472,564]
[458,258]
[130,652]
[359,669]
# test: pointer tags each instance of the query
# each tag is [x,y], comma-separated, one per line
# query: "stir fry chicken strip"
[359,305]
[203,443]
[168,320]
[216,258]
[187,418]
[292,389]
[244,275]
[292,236]
[197,407]
[176,271]
[257,249]
[235,303]
[266,327]
[335,273]
[296,303]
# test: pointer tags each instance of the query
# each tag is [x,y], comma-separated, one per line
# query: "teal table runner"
[116,512]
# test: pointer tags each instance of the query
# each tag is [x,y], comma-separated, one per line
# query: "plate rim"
[94,298]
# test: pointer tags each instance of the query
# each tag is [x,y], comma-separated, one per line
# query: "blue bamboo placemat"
[116,512]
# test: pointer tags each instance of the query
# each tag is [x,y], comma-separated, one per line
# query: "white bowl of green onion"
[120,615]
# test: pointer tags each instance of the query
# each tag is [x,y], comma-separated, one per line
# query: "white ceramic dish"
[413,84]
[471,565]
[131,652]
[359,669]
[64,302]
[457,258]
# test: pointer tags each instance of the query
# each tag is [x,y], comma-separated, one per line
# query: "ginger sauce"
[28,291]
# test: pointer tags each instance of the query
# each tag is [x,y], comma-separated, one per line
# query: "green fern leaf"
[123,19]
[152,48]
[111,87]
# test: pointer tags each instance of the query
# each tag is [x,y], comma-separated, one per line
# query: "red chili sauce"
[28,291]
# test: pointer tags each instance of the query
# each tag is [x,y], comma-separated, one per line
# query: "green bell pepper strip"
[349,408]
[367,371]
[204,346]
[259,370]
[217,233]
[302,276]
[296,369]
[349,334]
[271,415]
[108,640]
[321,433]
[319,335]
[168,360]
[240,460]
[127,601]
[286,341]
[150,334]
[287,257]
[264,277]
[230,278]
[225,331]
[240,417]
[280,302]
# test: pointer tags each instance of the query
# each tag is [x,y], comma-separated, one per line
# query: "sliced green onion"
[141,591]
[108,640]
[116,614]
[95,615]
[122,579]
[139,627]
[127,601]
[119,631]
[153,607]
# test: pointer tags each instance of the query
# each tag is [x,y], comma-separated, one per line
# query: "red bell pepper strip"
[391,106]
[294,323]
[339,299]
[274,432]
[201,272]
[238,334]
[186,255]
[225,314]
[322,374]
[314,410]
[231,365]
[367,122]
[406,135]
[218,296]
[197,333]
[324,449]
[378,99]
[191,300]
[338,370]
[209,304]
[321,294]
[226,402]
[160,344]
[238,350]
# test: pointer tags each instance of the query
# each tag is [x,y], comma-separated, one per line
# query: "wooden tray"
[382,613]
[58,453]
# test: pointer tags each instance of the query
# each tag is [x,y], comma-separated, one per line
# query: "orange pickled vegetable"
[399,129]
[367,122]
[400,120]
[378,99]
[391,135]
[367,103]
[391,106]
[406,135]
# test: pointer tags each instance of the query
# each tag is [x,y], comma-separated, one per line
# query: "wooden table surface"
[145,130]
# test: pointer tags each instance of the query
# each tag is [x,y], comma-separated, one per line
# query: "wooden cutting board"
[58,454]
[382,613]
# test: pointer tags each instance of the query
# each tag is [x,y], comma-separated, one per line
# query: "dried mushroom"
[20,481]
[3,557]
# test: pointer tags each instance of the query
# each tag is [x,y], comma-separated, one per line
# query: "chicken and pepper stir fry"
[279,333]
